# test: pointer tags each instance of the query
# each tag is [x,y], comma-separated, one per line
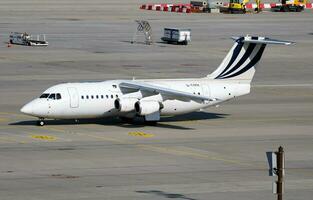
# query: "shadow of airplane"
[194,116]
[166,195]
[136,123]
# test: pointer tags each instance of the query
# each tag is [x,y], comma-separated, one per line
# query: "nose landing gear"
[41,122]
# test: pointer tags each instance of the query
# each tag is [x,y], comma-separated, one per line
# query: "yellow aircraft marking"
[141,134]
[44,137]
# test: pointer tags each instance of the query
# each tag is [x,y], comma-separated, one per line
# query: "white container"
[179,36]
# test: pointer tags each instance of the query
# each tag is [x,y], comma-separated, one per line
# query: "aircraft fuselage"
[96,99]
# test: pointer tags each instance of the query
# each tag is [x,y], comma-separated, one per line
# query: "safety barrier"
[186,8]
[180,8]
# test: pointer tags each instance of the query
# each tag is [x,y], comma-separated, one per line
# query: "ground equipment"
[145,28]
[26,39]
[239,7]
[207,6]
[290,6]
[234,7]
[178,36]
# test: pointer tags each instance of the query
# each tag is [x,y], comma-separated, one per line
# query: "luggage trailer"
[178,36]
[27,40]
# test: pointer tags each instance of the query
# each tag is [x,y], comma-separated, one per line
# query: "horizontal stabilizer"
[261,40]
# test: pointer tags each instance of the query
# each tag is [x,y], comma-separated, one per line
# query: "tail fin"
[240,62]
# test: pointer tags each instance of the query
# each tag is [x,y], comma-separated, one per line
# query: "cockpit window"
[44,96]
[51,96]
[58,96]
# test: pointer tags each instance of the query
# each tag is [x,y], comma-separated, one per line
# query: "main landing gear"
[41,122]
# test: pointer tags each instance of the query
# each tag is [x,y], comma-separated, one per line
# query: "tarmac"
[216,154]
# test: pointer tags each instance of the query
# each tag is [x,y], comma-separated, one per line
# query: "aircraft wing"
[175,94]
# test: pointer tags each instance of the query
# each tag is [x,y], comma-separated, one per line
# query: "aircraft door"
[74,99]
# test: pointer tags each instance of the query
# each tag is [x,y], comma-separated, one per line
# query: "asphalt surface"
[215,154]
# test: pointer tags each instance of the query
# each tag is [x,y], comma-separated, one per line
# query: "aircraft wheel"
[40,123]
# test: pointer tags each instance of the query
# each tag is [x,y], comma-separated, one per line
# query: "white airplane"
[155,97]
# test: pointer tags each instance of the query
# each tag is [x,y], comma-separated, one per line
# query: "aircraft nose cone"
[27,109]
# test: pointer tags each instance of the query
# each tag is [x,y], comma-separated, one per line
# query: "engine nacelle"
[147,107]
[125,104]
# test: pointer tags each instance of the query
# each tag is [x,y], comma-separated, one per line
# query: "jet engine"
[125,104]
[147,107]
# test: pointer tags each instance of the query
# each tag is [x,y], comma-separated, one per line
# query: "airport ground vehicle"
[154,98]
[27,40]
[290,6]
[207,6]
[238,7]
[178,36]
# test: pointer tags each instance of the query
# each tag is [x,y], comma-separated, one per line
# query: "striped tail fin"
[241,60]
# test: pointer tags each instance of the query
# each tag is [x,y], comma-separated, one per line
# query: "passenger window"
[101,96]
[87,97]
[114,86]
[51,96]
[58,96]
[116,96]
[97,97]
[82,97]
[107,96]
[111,96]
[44,96]
[92,96]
